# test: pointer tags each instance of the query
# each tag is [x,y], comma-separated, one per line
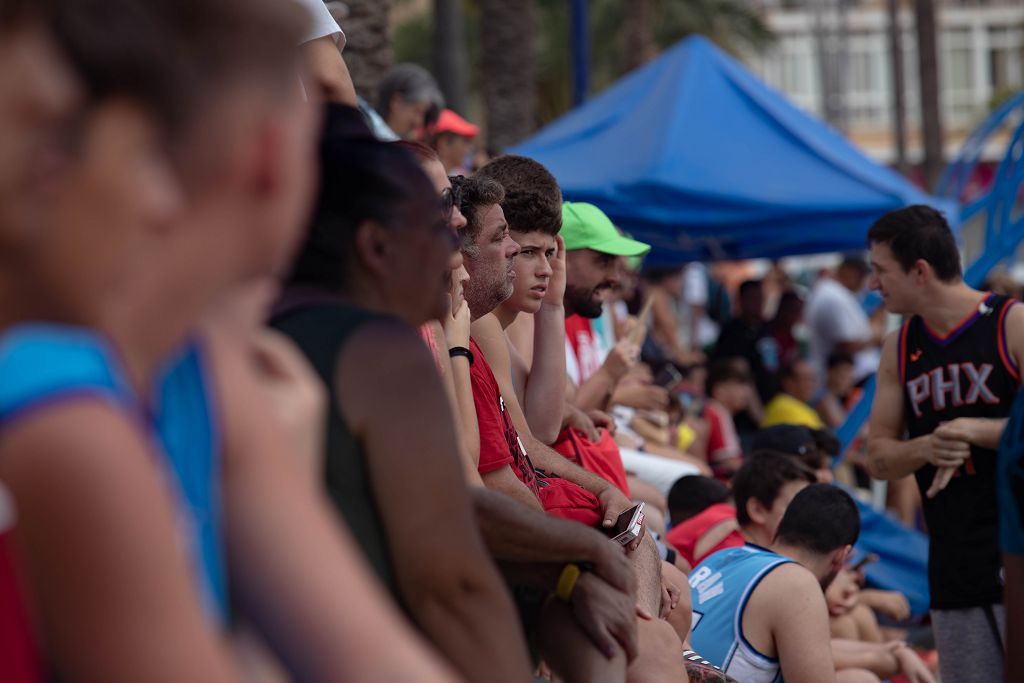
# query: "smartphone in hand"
[628,526]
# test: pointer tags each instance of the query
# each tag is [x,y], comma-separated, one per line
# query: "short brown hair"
[172,57]
[762,476]
[919,232]
[475,193]
[533,200]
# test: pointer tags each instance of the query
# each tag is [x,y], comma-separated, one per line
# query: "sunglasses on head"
[450,198]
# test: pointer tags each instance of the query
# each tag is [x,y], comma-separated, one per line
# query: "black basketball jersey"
[966,373]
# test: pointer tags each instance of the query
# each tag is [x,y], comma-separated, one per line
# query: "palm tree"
[627,33]
[899,106]
[637,34]
[368,47]
[732,24]
[525,71]
[507,69]
[928,66]
[450,52]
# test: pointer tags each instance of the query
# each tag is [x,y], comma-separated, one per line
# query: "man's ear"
[264,160]
[371,243]
[840,556]
[922,269]
[756,511]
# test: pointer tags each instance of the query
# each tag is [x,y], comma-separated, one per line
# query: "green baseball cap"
[584,226]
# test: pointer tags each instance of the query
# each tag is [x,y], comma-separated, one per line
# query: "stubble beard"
[581,302]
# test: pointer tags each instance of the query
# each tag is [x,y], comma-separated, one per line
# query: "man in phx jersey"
[947,379]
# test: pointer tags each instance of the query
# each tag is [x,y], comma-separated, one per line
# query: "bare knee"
[647,566]
[661,654]
[680,619]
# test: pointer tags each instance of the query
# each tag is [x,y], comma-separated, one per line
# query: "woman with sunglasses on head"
[374,267]
[452,331]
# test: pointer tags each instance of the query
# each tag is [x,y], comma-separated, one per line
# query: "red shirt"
[500,445]
[685,536]
[723,442]
[499,441]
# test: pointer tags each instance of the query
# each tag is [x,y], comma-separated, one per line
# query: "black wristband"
[461,351]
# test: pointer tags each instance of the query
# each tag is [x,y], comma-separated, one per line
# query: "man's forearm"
[894,458]
[545,385]
[555,463]
[595,393]
[516,533]
[471,619]
[986,432]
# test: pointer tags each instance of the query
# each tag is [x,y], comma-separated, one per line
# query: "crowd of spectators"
[298,390]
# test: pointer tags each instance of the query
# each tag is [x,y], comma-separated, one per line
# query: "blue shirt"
[41,364]
[1010,481]
[721,585]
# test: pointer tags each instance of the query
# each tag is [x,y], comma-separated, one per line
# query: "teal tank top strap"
[44,363]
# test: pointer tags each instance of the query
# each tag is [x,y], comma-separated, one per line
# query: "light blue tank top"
[41,364]
[721,585]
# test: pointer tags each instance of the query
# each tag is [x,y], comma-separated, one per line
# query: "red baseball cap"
[450,122]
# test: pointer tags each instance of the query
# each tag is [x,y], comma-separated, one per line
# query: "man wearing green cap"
[593,265]
[592,243]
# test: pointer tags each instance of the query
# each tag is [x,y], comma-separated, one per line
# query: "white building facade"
[981,61]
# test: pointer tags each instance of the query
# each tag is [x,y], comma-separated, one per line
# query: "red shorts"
[567,500]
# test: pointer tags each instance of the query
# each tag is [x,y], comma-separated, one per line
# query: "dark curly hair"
[474,193]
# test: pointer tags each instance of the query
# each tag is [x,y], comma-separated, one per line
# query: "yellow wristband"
[567,582]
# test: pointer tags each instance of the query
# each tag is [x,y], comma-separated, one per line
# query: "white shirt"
[834,316]
[695,293]
[323,24]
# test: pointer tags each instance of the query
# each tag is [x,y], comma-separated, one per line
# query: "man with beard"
[593,246]
[565,490]
[759,613]
[515,463]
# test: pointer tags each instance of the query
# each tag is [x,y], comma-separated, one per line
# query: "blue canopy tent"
[695,155]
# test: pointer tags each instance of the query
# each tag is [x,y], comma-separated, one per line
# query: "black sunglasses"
[450,198]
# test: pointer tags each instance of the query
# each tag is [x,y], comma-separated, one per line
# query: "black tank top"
[321,329]
[967,373]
